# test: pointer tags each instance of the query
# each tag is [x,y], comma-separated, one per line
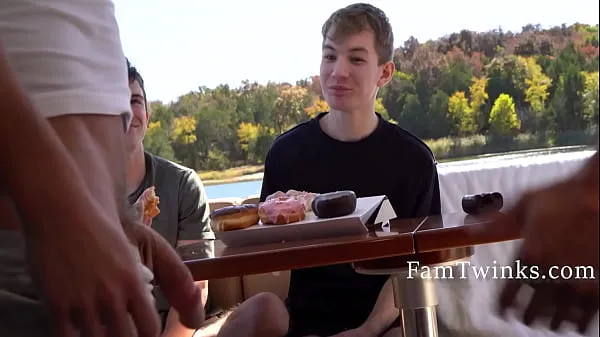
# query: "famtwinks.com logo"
[517,271]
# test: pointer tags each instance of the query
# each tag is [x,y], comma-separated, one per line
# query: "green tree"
[413,116]
[590,98]
[156,141]
[460,114]
[439,123]
[503,117]
[478,97]
[289,107]
[443,87]
[536,93]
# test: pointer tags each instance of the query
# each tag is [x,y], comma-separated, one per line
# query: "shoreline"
[259,175]
[239,179]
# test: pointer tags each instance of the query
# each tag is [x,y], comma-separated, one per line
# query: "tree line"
[465,93]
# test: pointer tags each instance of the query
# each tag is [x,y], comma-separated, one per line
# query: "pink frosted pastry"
[281,210]
[304,197]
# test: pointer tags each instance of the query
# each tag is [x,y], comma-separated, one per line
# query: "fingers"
[538,304]
[143,313]
[508,295]
[562,308]
[557,301]
[507,224]
[174,279]
[65,328]
[589,305]
[119,324]
[116,319]
[88,320]
[141,307]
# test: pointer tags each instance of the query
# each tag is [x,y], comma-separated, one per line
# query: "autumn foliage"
[537,82]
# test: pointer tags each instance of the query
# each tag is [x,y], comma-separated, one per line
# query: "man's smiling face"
[139,122]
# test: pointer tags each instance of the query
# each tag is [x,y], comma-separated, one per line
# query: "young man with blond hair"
[351,147]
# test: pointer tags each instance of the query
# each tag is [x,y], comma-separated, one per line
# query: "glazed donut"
[334,204]
[280,211]
[234,217]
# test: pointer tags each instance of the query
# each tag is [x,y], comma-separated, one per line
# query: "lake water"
[250,188]
[240,190]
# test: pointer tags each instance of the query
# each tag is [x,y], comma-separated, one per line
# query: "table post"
[415,297]
[416,300]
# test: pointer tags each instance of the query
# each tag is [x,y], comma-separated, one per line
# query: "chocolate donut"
[334,204]
[474,204]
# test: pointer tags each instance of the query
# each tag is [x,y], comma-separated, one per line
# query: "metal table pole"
[415,297]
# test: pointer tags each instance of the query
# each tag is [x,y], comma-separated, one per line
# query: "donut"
[150,201]
[280,211]
[482,203]
[275,195]
[234,217]
[334,204]
[302,196]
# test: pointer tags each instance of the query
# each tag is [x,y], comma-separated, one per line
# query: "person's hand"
[70,214]
[137,209]
[559,225]
[87,275]
[173,277]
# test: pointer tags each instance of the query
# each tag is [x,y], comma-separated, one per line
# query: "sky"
[180,45]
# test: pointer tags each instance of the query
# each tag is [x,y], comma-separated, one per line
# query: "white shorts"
[67,54]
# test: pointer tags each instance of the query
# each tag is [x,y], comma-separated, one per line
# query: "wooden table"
[430,241]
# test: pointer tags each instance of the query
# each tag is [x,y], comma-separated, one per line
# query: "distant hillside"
[533,87]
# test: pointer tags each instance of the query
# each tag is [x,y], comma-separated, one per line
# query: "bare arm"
[78,252]
[72,157]
[173,326]
[384,312]
[71,210]
[193,228]
[428,203]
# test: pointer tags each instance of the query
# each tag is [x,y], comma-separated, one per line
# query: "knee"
[270,311]
[270,306]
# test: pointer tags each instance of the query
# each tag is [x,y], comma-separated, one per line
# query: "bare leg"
[211,329]
[262,315]
[395,332]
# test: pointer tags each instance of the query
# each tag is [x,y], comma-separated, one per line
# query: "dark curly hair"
[134,75]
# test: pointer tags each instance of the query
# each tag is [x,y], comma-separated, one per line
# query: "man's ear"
[387,73]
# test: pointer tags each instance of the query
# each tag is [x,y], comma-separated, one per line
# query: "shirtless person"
[62,186]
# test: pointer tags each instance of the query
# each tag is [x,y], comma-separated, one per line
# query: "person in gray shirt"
[184,210]
[69,259]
